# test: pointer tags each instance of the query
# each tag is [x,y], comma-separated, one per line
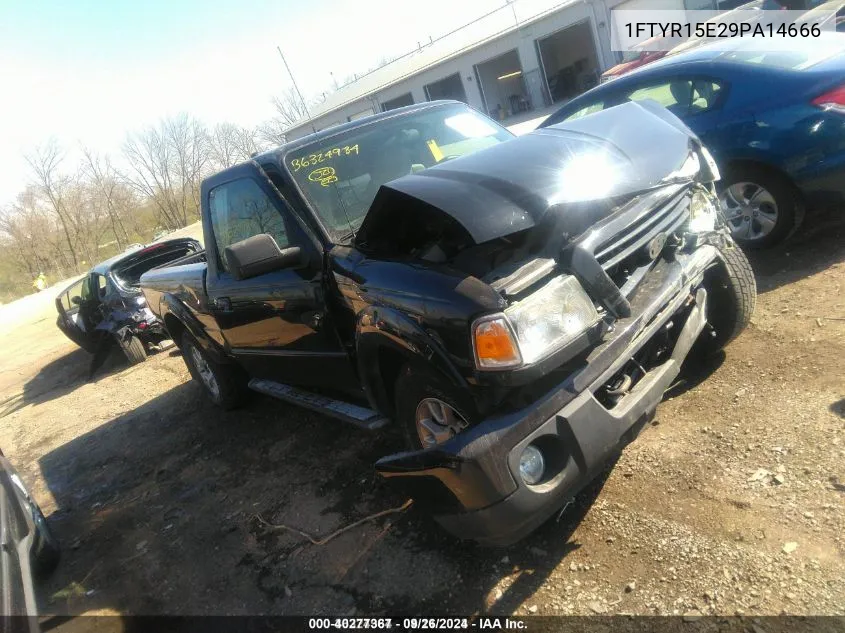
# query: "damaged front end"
[604,257]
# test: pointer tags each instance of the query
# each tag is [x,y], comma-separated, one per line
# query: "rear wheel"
[133,349]
[761,207]
[429,410]
[225,385]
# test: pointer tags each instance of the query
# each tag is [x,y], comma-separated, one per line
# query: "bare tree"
[32,230]
[45,162]
[289,107]
[230,144]
[272,132]
[166,164]
[105,182]
[71,216]
[249,142]
[148,157]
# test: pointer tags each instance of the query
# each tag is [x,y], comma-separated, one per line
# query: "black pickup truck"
[516,306]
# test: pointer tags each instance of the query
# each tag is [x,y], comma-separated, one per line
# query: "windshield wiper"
[345,238]
[355,225]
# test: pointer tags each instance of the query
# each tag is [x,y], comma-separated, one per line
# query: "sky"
[88,72]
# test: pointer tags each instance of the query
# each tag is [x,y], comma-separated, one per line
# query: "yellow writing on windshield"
[324,175]
[319,157]
[435,150]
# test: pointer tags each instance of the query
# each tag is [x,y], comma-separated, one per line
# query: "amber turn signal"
[495,344]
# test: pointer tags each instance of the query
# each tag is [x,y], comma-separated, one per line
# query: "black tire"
[134,350]
[790,210]
[732,297]
[412,387]
[231,382]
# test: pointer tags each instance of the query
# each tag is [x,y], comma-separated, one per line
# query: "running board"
[352,413]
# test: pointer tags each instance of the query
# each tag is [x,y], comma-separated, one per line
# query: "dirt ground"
[731,501]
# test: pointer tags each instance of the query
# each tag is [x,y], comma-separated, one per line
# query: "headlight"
[689,169]
[534,327]
[703,209]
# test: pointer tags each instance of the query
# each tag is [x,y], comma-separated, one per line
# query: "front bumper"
[471,482]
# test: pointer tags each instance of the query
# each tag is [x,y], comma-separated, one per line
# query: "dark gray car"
[107,306]
[28,551]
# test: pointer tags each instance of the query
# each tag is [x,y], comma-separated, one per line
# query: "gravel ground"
[730,502]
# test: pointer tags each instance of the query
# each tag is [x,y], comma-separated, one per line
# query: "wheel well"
[175,328]
[744,163]
[390,363]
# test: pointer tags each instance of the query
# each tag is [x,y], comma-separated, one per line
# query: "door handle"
[224,304]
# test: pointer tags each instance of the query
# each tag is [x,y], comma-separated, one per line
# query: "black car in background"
[107,305]
[28,550]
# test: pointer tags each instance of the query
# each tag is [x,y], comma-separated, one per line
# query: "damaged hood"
[512,186]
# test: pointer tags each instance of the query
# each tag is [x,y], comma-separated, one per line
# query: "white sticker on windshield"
[470,125]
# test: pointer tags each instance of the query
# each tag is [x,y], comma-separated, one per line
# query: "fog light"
[531,465]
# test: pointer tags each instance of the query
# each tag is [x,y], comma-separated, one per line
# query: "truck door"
[276,324]
[78,314]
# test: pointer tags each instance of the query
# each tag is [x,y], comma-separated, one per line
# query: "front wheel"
[225,385]
[732,297]
[429,410]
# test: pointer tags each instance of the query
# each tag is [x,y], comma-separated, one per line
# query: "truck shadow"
[62,376]
[55,379]
[158,513]
[816,246]
[838,408]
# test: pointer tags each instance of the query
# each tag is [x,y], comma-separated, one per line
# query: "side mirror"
[77,301]
[258,255]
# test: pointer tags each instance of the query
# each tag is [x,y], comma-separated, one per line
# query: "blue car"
[772,113]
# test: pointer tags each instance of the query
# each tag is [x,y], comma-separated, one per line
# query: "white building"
[524,57]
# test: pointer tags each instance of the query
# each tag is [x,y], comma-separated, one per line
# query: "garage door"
[569,61]
[503,86]
[450,87]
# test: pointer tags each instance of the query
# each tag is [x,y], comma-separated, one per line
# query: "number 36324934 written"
[313,159]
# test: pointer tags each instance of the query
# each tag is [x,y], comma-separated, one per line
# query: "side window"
[76,290]
[590,109]
[682,97]
[705,95]
[101,282]
[88,290]
[240,209]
